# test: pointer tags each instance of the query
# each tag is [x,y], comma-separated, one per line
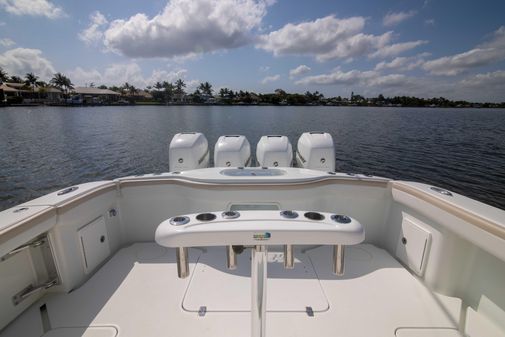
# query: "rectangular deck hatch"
[218,289]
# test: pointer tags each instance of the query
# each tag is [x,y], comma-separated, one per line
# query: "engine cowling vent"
[232,151]
[316,151]
[274,151]
[188,151]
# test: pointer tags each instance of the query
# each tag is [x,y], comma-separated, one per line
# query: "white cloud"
[338,77]
[20,61]
[6,42]
[429,22]
[403,63]
[187,27]
[264,69]
[482,55]
[325,38]
[33,8]
[300,70]
[361,79]
[118,74]
[270,79]
[492,79]
[94,32]
[331,38]
[389,81]
[397,48]
[392,19]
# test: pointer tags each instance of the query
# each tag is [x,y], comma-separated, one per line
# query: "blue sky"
[454,49]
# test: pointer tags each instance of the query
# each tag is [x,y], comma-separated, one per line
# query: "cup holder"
[230,215]
[289,214]
[314,216]
[206,217]
[340,218]
[179,220]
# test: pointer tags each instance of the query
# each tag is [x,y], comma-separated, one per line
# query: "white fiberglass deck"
[137,293]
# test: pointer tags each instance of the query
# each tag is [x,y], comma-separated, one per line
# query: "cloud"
[338,77]
[492,79]
[429,22]
[264,69]
[118,74]
[331,38]
[6,42]
[187,27]
[32,8]
[364,79]
[403,63]
[270,79]
[300,70]
[394,18]
[397,48]
[20,61]
[94,32]
[482,55]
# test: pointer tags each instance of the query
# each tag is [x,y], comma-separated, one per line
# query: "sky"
[424,48]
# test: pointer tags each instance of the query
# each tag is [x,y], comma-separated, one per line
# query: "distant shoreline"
[497,106]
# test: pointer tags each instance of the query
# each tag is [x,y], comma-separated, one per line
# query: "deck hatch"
[218,289]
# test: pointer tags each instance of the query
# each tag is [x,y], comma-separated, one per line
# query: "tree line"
[167,92]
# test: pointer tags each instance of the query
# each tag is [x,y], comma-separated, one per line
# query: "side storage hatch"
[413,245]
[94,244]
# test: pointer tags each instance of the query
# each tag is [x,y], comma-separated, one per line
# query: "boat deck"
[137,293]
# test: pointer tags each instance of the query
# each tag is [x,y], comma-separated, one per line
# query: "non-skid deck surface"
[137,293]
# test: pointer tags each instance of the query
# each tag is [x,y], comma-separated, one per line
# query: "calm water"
[44,149]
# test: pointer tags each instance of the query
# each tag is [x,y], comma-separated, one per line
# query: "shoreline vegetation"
[60,91]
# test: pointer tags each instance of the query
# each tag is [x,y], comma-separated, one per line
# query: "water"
[43,149]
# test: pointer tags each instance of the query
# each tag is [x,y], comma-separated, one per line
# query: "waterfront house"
[89,95]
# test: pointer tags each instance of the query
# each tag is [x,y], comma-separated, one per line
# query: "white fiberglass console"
[257,230]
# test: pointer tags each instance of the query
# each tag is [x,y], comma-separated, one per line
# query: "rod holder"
[289,257]
[231,258]
[259,260]
[182,262]
[338,260]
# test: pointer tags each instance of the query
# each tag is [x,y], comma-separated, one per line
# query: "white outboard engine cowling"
[232,151]
[316,151]
[274,151]
[188,151]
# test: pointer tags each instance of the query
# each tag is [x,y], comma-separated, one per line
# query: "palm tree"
[16,79]
[3,75]
[62,82]
[31,80]
[179,89]
[179,86]
[168,89]
[206,88]
[132,90]
[158,86]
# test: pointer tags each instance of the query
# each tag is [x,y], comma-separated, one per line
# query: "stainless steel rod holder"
[259,262]
[182,262]
[289,257]
[231,258]
[338,260]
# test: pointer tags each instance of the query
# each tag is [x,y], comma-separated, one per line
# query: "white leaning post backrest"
[232,151]
[316,151]
[274,151]
[188,151]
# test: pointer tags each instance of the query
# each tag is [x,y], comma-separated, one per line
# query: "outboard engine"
[316,151]
[274,151]
[188,151]
[232,151]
